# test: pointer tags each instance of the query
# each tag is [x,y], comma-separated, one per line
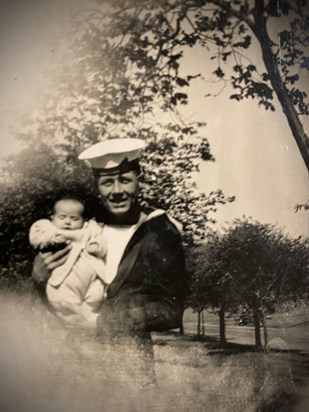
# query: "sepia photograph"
[154,206]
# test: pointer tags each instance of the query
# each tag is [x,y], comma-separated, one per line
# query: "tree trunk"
[199,323]
[203,325]
[222,325]
[260,31]
[181,328]
[256,319]
[265,333]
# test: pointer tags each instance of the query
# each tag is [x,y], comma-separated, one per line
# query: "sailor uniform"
[147,294]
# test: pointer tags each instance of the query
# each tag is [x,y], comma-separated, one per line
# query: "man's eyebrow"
[106,179]
[126,175]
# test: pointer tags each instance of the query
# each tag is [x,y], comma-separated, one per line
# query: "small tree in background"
[267,268]
[254,266]
[211,284]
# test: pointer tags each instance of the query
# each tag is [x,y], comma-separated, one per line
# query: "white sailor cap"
[114,156]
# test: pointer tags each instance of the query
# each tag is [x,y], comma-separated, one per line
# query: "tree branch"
[235,13]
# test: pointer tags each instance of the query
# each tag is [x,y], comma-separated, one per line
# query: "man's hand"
[45,263]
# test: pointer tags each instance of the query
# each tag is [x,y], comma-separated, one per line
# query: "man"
[145,260]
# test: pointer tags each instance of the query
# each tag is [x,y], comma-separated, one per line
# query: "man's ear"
[140,173]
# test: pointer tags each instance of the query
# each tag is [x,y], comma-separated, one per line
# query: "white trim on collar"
[160,212]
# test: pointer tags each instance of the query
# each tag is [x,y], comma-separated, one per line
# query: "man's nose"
[117,187]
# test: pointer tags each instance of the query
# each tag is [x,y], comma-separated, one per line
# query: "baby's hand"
[93,248]
[59,238]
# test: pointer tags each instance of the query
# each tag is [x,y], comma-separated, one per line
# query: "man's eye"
[107,183]
[125,181]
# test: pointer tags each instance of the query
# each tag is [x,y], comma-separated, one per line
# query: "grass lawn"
[234,378]
[45,368]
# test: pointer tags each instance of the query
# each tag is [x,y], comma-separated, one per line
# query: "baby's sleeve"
[40,232]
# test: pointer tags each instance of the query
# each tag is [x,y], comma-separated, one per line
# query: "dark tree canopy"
[87,101]
[149,39]
[250,266]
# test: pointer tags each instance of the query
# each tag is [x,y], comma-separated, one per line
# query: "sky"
[257,160]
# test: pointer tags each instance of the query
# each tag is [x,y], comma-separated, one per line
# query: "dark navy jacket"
[149,289]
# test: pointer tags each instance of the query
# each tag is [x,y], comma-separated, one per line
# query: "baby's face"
[68,214]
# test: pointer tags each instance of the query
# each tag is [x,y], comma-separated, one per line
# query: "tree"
[168,163]
[150,38]
[34,179]
[250,266]
[266,267]
[198,299]
[89,96]
[211,283]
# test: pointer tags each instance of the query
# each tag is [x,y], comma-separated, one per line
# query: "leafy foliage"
[29,195]
[150,40]
[92,96]
[168,183]
[146,41]
[304,206]
[251,265]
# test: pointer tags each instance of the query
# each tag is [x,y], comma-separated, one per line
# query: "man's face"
[119,192]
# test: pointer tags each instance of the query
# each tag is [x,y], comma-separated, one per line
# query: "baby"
[80,280]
